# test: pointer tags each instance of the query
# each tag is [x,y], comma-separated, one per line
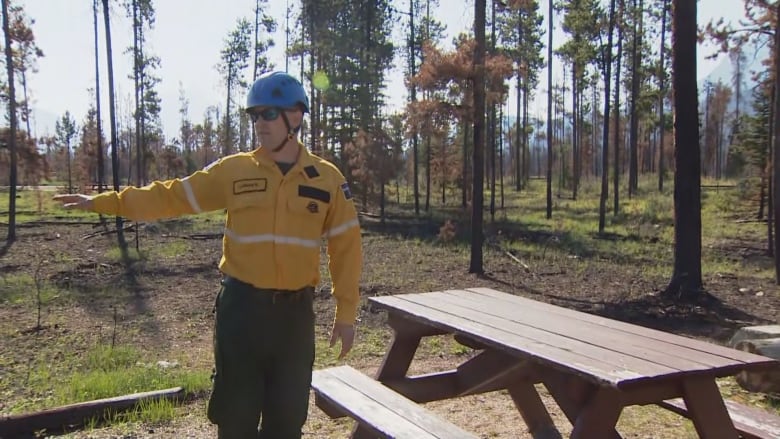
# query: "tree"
[99,130]
[234,59]
[776,140]
[521,35]
[25,55]
[112,116]
[582,21]
[636,79]
[475,265]
[9,65]
[662,97]
[549,107]
[686,282]
[264,26]
[147,101]
[607,69]
[65,129]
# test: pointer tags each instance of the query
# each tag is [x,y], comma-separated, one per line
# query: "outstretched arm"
[200,192]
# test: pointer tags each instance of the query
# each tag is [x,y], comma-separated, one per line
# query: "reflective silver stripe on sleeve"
[191,196]
[338,230]
[269,237]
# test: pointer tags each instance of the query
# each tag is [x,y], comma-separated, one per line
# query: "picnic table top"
[602,350]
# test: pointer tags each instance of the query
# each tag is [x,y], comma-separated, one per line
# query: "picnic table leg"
[574,396]
[399,356]
[599,415]
[360,432]
[533,411]
[707,409]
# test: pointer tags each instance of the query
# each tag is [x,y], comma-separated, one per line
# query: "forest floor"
[158,302]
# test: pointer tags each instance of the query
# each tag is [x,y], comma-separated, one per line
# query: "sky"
[188,36]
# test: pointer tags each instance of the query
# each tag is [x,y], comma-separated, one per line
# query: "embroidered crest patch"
[347,192]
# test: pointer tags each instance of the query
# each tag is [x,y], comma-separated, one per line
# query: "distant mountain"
[724,73]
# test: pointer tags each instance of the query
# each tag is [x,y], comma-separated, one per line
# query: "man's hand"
[346,333]
[75,201]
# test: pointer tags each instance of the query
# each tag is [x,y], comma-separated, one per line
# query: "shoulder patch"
[347,192]
[311,171]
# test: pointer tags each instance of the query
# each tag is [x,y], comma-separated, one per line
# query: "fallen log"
[75,415]
[765,381]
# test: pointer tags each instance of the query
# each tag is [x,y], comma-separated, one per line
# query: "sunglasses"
[268,115]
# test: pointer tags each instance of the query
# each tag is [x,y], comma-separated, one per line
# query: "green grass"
[105,372]
[21,288]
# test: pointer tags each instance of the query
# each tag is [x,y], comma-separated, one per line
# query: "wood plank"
[589,354]
[671,356]
[76,414]
[751,422]
[502,340]
[756,361]
[383,422]
[586,327]
[398,404]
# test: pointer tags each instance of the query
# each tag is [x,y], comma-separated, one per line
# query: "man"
[280,200]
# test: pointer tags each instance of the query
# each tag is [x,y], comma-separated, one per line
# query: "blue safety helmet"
[277,89]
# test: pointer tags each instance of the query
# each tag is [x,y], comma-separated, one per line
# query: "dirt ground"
[164,305]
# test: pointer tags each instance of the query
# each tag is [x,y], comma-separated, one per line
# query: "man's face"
[269,124]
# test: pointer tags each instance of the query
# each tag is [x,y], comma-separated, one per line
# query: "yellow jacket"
[275,223]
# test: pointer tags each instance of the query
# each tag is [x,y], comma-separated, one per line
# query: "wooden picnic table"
[592,366]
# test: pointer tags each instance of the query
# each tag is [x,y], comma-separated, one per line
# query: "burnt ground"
[162,303]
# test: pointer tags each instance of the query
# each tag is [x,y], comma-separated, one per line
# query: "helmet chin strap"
[290,132]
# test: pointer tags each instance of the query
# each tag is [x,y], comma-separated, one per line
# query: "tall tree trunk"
[633,169]
[464,194]
[776,149]
[686,280]
[518,149]
[475,265]
[101,178]
[605,138]
[575,130]
[137,90]
[428,172]
[413,93]
[617,145]
[501,154]
[9,66]
[68,161]
[26,102]
[661,96]
[766,178]
[550,16]
[526,154]
[112,116]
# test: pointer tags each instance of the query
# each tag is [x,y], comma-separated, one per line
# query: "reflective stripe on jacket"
[275,223]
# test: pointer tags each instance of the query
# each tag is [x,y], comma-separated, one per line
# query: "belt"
[273,294]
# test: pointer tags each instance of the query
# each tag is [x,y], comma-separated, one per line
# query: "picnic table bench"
[592,366]
[379,411]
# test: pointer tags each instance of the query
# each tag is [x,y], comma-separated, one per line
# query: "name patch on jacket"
[250,185]
[314,193]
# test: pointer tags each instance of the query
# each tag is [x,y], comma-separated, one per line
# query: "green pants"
[264,354]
